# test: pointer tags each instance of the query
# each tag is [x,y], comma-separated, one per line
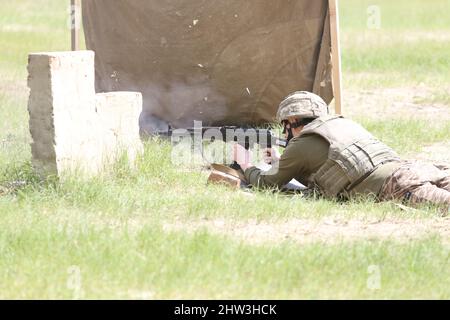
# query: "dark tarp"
[223,62]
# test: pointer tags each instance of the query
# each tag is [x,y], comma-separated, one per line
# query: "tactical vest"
[354,154]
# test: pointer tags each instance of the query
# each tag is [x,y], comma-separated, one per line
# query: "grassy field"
[113,236]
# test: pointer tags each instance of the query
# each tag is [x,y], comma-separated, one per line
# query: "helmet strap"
[288,131]
[290,134]
[295,125]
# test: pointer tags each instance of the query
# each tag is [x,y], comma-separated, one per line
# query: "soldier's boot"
[419,183]
[444,183]
[429,193]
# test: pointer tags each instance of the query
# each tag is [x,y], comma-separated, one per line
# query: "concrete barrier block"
[73,129]
[120,113]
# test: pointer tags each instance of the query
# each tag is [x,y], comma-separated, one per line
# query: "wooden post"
[336,54]
[74,20]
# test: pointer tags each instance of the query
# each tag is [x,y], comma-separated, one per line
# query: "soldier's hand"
[271,155]
[242,156]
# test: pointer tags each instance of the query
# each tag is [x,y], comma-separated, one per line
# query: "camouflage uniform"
[333,155]
[350,160]
[417,182]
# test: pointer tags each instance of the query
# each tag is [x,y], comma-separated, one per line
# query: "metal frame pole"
[336,54]
[75,32]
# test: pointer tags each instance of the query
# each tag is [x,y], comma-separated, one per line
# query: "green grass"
[399,15]
[111,227]
[174,193]
[423,61]
[167,192]
[31,26]
[411,47]
[114,262]
[408,135]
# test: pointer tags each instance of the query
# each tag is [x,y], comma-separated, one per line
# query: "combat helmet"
[302,104]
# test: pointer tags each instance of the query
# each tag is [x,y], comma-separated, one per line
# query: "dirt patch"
[385,103]
[329,230]
[25,28]
[436,153]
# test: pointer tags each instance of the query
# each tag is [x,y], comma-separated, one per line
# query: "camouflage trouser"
[418,182]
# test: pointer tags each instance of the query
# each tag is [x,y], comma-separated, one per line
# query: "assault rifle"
[246,137]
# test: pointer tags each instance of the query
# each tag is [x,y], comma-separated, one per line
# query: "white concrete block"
[73,129]
[119,112]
